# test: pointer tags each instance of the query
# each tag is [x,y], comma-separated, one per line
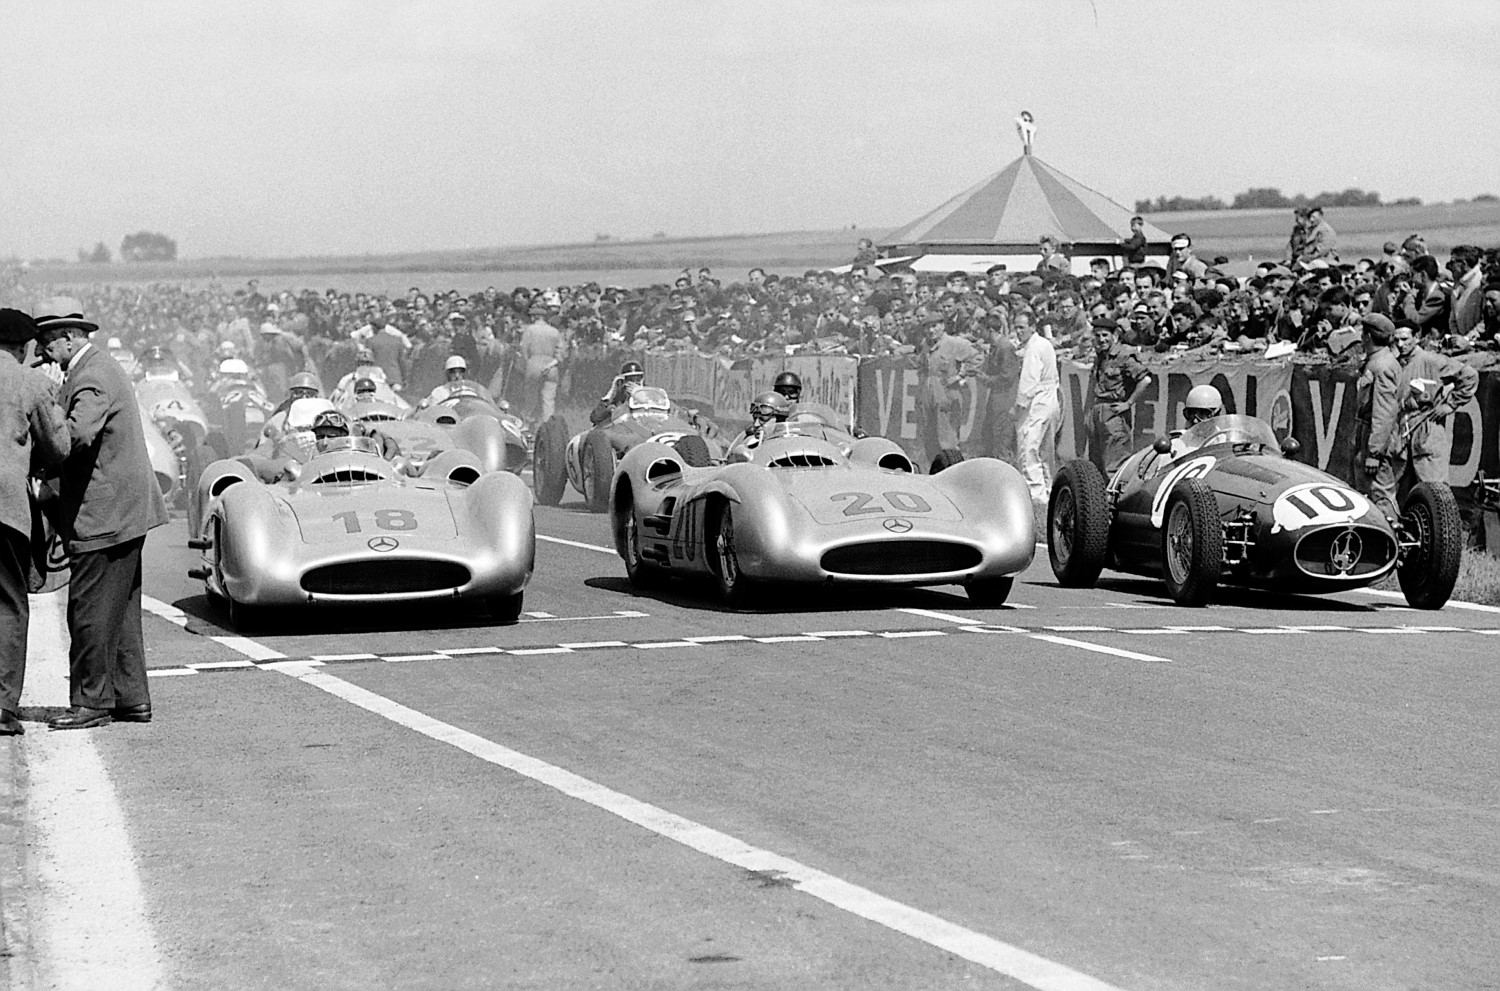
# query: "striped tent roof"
[1017,205]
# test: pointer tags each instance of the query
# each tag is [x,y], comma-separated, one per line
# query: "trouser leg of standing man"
[1110,437]
[1034,442]
[15,613]
[107,656]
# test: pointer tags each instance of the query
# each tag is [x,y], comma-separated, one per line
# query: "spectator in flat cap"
[35,438]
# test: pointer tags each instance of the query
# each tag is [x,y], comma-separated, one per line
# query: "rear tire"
[506,609]
[737,591]
[694,452]
[598,473]
[1078,525]
[947,458]
[1192,549]
[1428,572]
[990,593]
[549,467]
[246,618]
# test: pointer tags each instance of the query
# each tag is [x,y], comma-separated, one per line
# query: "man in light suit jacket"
[109,499]
[33,433]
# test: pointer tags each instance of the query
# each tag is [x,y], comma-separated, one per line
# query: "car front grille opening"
[803,461]
[1345,552]
[901,557]
[385,577]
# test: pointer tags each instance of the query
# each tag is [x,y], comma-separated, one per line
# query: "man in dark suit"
[109,500]
[33,433]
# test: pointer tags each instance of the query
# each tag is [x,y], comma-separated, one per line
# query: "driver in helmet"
[631,376]
[364,390]
[788,384]
[366,368]
[159,363]
[1203,403]
[328,426]
[765,409]
[457,382]
[303,385]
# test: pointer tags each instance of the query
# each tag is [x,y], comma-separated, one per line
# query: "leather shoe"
[132,713]
[10,723]
[80,717]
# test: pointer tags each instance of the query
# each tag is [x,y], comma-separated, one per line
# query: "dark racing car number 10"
[865,503]
[385,519]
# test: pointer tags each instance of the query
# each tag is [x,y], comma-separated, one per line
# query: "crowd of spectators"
[1311,303]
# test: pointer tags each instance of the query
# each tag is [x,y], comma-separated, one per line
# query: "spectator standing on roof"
[1183,259]
[1134,246]
[1053,258]
[1320,240]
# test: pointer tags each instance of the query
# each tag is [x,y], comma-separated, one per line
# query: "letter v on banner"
[885,395]
[1325,427]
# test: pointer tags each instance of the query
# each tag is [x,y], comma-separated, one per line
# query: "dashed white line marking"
[468,651]
[794,638]
[945,617]
[576,543]
[344,657]
[664,643]
[986,951]
[415,657]
[592,644]
[1202,629]
[904,634]
[541,615]
[720,638]
[218,665]
[1322,812]
[835,634]
[528,652]
[1080,629]
[170,672]
[1099,648]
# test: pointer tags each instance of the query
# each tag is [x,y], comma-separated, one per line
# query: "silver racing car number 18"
[385,519]
[865,503]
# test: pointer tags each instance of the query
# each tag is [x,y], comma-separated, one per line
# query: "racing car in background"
[168,403]
[350,528]
[1225,503]
[587,460]
[801,513]
[465,421]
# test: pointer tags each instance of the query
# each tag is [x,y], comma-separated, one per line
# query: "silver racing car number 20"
[865,503]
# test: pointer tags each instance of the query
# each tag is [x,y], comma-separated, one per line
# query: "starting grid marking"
[819,636]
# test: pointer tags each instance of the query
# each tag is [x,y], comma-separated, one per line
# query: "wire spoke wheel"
[1064,519]
[1180,543]
[729,564]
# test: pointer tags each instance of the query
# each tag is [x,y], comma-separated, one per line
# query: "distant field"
[1245,236]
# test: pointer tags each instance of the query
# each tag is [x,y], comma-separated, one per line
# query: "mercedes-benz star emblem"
[897,525]
[382,544]
[1344,552]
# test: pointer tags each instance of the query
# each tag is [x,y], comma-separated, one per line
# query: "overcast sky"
[291,127]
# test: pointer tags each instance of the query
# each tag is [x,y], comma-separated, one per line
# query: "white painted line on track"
[835,634]
[618,614]
[790,638]
[1081,629]
[593,644]
[87,904]
[217,665]
[905,634]
[663,643]
[540,650]
[344,657]
[720,638]
[986,951]
[541,615]
[1099,648]
[467,651]
[1452,603]
[240,645]
[576,543]
[416,657]
[945,617]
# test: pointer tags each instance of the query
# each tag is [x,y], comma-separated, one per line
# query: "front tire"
[506,609]
[641,573]
[947,458]
[694,452]
[598,472]
[1078,525]
[736,590]
[246,618]
[1428,571]
[1192,544]
[549,466]
[990,593]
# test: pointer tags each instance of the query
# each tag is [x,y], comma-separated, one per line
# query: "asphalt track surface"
[1085,789]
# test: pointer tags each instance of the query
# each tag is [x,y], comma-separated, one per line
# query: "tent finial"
[1026,128]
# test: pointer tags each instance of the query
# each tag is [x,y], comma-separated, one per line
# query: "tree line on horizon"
[1269,197]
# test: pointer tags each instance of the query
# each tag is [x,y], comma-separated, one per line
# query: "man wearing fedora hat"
[33,435]
[110,499]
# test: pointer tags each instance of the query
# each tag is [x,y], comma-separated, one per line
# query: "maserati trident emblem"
[897,525]
[383,544]
[1344,552]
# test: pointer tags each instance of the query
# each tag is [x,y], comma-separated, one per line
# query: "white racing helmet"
[1203,403]
[234,366]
